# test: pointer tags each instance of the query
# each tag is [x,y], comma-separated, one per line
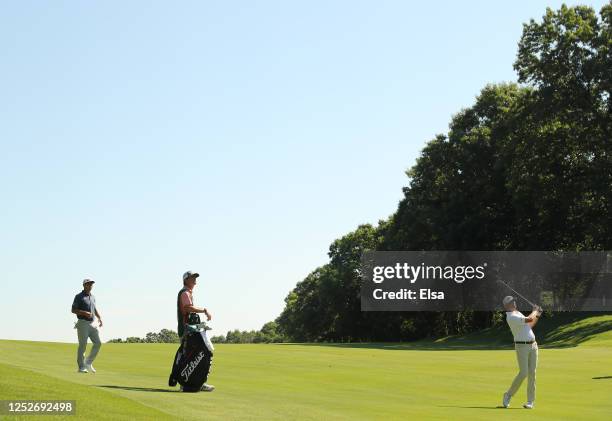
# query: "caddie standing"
[526,350]
[185,306]
[89,320]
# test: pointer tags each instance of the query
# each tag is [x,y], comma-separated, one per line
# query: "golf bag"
[192,362]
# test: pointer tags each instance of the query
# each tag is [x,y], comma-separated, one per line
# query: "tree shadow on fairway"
[574,333]
[138,389]
[425,345]
[492,339]
[602,377]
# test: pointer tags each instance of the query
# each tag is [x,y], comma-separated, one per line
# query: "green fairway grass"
[448,379]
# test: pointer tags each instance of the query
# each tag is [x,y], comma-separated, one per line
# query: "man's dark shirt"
[85,302]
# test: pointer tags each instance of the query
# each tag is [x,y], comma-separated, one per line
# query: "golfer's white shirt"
[520,330]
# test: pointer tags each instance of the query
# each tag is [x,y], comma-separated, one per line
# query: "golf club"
[513,290]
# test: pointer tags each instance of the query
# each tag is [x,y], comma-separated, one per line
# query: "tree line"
[163,336]
[267,334]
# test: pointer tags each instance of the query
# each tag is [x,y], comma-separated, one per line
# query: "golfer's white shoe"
[528,405]
[91,368]
[83,370]
[207,388]
[506,400]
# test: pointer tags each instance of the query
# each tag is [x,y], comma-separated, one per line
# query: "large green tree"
[527,167]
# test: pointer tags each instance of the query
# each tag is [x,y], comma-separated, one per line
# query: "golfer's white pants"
[527,358]
[86,330]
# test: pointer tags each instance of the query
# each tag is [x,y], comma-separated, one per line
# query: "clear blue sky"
[239,139]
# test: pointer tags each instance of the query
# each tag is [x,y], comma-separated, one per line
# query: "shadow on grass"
[411,346]
[562,330]
[602,377]
[138,389]
[475,407]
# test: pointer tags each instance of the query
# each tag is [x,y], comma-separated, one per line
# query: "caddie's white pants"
[527,358]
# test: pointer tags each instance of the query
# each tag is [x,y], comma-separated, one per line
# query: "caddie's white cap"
[190,273]
[88,280]
[508,299]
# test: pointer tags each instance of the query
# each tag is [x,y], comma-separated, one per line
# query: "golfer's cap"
[88,280]
[190,273]
[508,299]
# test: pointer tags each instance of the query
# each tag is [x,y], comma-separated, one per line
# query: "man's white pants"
[86,330]
[527,358]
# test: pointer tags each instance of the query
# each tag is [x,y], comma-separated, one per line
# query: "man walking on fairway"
[526,350]
[89,320]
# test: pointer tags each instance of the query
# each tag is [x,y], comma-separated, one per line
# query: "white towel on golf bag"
[207,341]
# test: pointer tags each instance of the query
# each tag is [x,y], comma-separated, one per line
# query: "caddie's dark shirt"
[85,302]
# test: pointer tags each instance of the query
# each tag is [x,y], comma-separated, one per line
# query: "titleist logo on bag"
[188,370]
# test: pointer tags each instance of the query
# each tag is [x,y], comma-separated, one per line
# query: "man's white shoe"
[528,405]
[90,368]
[207,388]
[83,370]
[506,400]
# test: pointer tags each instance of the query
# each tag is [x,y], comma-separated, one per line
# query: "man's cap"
[190,273]
[88,280]
[508,299]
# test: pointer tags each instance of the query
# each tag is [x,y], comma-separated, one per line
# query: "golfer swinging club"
[526,350]
[84,306]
